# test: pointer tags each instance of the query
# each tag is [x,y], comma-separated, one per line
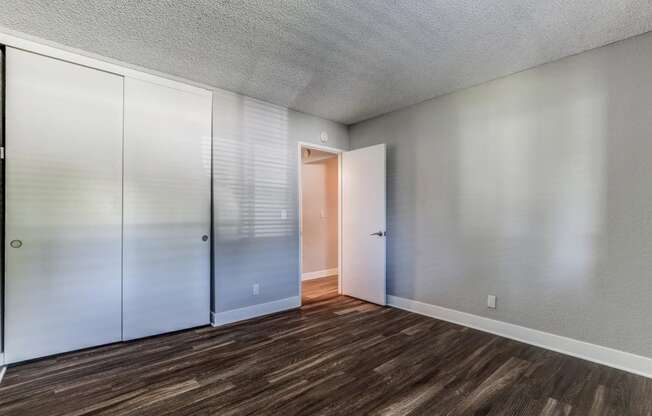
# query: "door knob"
[16,243]
[378,233]
[204,238]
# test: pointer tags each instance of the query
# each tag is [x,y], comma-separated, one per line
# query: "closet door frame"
[93,61]
[104,64]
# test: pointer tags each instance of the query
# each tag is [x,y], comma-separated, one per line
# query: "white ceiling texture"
[342,60]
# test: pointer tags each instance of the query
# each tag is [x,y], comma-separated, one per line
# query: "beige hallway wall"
[320,215]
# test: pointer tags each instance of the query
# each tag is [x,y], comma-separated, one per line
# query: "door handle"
[16,244]
[378,233]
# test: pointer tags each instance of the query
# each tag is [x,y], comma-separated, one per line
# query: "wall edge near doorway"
[610,357]
[254,311]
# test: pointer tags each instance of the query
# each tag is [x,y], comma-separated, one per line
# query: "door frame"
[74,56]
[338,152]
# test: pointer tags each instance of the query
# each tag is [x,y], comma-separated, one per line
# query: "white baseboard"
[253,311]
[610,357]
[319,273]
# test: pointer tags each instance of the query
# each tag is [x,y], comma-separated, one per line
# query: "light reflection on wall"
[254,183]
[527,193]
[535,188]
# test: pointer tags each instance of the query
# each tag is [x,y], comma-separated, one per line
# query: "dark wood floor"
[337,356]
[315,290]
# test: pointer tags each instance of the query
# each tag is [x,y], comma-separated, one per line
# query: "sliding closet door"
[166,209]
[64,196]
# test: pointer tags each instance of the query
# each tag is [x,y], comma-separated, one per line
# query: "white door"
[64,206]
[167,204]
[363,224]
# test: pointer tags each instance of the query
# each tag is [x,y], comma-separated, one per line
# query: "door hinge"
[2,152]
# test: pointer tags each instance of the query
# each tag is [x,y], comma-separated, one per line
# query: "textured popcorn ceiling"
[341,60]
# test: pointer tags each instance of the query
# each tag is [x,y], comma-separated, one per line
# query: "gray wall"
[536,188]
[256,222]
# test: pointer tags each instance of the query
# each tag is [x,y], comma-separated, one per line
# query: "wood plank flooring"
[337,356]
[314,290]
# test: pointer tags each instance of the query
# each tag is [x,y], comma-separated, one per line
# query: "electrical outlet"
[256,289]
[491,302]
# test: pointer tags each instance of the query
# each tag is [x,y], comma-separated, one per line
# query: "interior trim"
[319,273]
[610,357]
[20,41]
[254,311]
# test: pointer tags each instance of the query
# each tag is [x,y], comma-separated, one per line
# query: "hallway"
[316,290]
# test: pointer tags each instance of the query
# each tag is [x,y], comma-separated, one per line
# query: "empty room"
[364,207]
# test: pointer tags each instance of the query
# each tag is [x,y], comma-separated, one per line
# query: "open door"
[363,224]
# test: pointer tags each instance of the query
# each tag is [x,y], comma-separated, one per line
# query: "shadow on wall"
[255,219]
[534,188]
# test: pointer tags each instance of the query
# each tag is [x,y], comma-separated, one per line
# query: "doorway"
[320,223]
